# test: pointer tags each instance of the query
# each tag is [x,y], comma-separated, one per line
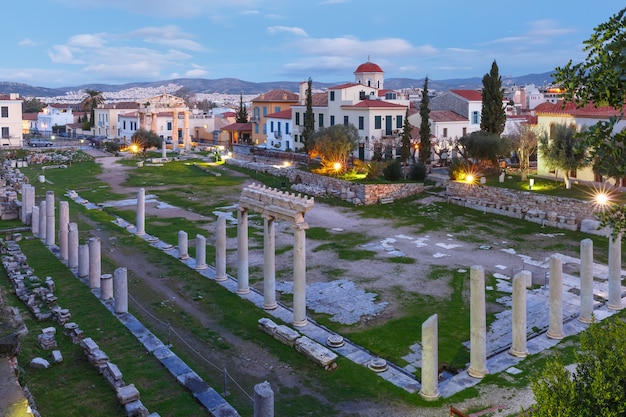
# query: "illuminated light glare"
[469,178]
[531,183]
[602,197]
[337,166]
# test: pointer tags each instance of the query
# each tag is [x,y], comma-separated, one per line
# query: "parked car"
[39,143]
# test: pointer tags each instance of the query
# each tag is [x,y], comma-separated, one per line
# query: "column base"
[201,267]
[300,323]
[243,291]
[429,397]
[615,307]
[586,320]
[517,353]
[183,257]
[270,306]
[477,373]
[556,336]
[221,279]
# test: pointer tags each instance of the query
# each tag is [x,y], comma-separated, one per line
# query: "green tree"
[524,140]
[309,119]
[242,113]
[91,100]
[493,116]
[334,144]
[33,105]
[598,386]
[146,139]
[405,149]
[425,145]
[561,150]
[484,148]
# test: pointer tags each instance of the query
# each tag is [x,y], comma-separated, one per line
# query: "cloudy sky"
[61,43]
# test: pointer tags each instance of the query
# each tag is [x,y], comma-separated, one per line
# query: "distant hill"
[236,86]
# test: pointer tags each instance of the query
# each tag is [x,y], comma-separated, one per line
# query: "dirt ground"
[376,275]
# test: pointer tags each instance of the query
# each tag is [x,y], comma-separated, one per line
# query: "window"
[332,96]
[256,128]
[5,111]
[169,125]
[475,118]
[391,96]
[321,120]
[264,111]
[5,133]
[297,118]
[286,128]
[279,127]
[256,112]
[345,120]
[332,120]
[464,131]
[378,122]
[277,109]
[361,122]
[124,125]
[271,126]
[362,95]
[399,122]
[445,132]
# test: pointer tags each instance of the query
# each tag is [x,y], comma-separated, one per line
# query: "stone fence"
[560,212]
[320,185]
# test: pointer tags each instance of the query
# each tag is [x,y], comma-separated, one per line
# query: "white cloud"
[169,35]
[196,73]
[86,40]
[352,47]
[293,30]
[27,42]
[62,54]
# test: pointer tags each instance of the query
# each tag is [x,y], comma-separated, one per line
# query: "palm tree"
[93,98]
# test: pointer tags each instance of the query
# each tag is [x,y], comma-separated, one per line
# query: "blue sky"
[61,43]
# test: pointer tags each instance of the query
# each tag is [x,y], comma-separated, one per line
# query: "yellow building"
[271,102]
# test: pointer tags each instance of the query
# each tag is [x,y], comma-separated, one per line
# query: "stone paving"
[499,333]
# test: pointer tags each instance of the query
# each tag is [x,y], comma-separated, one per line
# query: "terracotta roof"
[374,103]
[29,116]
[121,105]
[446,116]
[343,86]
[277,95]
[229,114]
[285,114]
[319,100]
[590,110]
[368,67]
[471,95]
[238,127]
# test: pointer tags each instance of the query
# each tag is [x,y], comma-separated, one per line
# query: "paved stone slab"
[175,365]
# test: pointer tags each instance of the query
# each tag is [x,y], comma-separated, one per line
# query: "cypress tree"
[425,147]
[493,116]
[309,118]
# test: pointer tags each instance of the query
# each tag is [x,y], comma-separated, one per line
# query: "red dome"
[368,67]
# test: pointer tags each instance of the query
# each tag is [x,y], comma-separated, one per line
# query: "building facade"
[11,120]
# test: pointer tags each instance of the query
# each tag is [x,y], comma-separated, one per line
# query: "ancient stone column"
[83,261]
[183,245]
[28,201]
[186,136]
[163,150]
[141,212]
[95,265]
[120,290]
[201,252]
[586,281]
[106,286]
[50,222]
[34,221]
[64,221]
[242,251]
[72,246]
[615,272]
[220,249]
[299,275]
[269,263]
[518,325]
[42,220]
[478,324]
[555,328]
[430,359]
[174,130]
[263,400]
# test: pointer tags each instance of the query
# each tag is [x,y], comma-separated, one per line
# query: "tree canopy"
[484,148]
[493,116]
[425,145]
[91,101]
[524,140]
[242,113]
[405,150]
[146,139]
[309,119]
[334,144]
[561,150]
[33,105]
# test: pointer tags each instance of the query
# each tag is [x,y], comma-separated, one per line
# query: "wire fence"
[172,332]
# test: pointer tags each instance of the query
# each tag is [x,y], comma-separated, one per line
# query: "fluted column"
[615,272]
[269,263]
[518,313]
[242,251]
[555,329]
[478,323]
[220,249]
[586,281]
[299,275]
[430,359]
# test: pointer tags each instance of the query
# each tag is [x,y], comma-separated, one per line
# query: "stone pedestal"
[201,252]
[42,221]
[120,290]
[183,245]
[106,286]
[555,329]
[141,212]
[430,359]
[220,249]
[518,325]
[64,221]
[95,264]
[34,220]
[615,272]
[269,263]
[83,261]
[50,221]
[72,246]
[586,281]
[478,324]
[299,275]
[242,252]
[263,400]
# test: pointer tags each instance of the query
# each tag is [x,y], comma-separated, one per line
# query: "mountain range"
[236,86]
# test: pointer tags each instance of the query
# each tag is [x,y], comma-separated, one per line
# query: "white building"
[279,130]
[54,115]
[11,120]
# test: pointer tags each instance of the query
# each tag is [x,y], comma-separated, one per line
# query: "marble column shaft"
[478,323]
[263,400]
[95,264]
[175,130]
[28,201]
[269,263]
[106,287]
[201,252]
[615,272]
[430,359]
[42,220]
[586,281]
[50,221]
[120,290]
[64,221]
[518,315]
[299,275]
[242,252]
[141,212]
[555,328]
[183,243]
[34,221]
[72,246]
[83,261]
[220,249]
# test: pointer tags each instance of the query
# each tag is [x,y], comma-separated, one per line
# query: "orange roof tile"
[368,67]
[590,110]
[277,95]
[285,114]
[471,95]
[446,116]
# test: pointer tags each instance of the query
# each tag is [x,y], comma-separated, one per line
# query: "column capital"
[300,226]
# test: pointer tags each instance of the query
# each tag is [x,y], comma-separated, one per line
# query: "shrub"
[457,169]
[393,171]
[418,172]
